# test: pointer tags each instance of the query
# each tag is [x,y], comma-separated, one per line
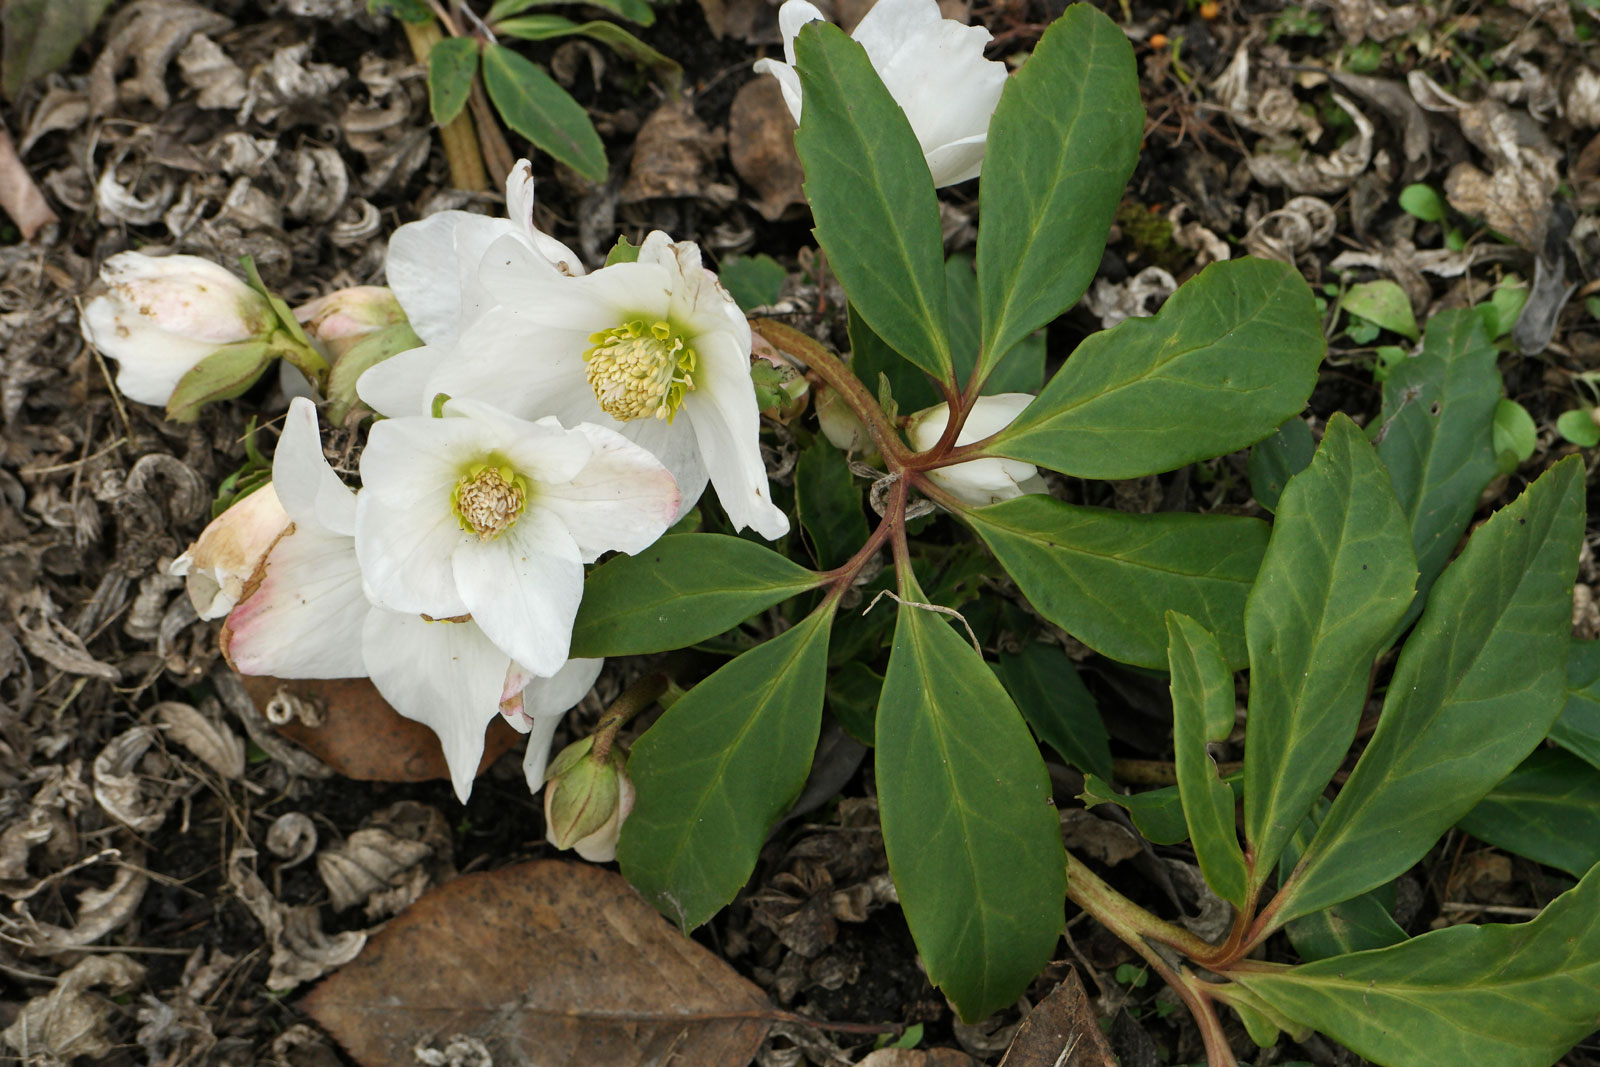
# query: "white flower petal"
[791,17]
[522,588]
[226,554]
[405,556]
[541,731]
[311,493]
[150,360]
[727,425]
[622,499]
[560,693]
[519,206]
[522,368]
[398,386]
[432,267]
[303,619]
[541,451]
[675,445]
[445,675]
[600,300]
[788,80]
[410,462]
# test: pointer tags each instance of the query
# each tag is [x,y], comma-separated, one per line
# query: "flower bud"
[586,798]
[781,389]
[840,425]
[359,328]
[990,479]
[216,568]
[159,316]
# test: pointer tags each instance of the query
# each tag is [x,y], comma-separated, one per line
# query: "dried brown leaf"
[549,964]
[674,155]
[761,147]
[370,861]
[71,1020]
[19,196]
[213,743]
[1061,1031]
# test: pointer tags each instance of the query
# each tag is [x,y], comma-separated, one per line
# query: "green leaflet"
[1276,459]
[1047,690]
[1478,685]
[829,501]
[1108,577]
[633,10]
[1548,810]
[41,35]
[974,842]
[1158,813]
[1062,144]
[614,37]
[1337,576]
[1578,728]
[1353,925]
[682,589]
[872,198]
[1230,356]
[1507,995]
[452,64]
[1435,434]
[1202,711]
[532,104]
[719,768]
[1020,371]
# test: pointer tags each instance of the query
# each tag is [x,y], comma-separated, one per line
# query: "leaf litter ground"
[170,903]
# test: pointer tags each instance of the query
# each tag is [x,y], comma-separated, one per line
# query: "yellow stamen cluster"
[488,500]
[640,370]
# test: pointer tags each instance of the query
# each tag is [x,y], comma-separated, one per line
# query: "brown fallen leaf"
[1061,1031]
[761,146]
[548,964]
[673,155]
[362,737]
[19,195]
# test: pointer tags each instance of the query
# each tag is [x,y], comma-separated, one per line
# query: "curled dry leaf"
[1061,1031]
[151,33]
[918,1057]
[761,147]
[364,738]
[301,950]
[138,800]
[100,911]
[1304,223]
[71,1020]
[1332,173]
[238,699]
[1137,297]
[675,154]
[48,638]
[213,743]
[293,838]
[217,79]
[1361,20]
[370,861]
[547,962]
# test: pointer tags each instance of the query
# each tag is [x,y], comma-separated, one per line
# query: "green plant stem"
[838,377]
[1137,927]
[460,143]
[634,699]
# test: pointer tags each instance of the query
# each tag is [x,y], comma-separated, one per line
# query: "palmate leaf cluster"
[1354,562]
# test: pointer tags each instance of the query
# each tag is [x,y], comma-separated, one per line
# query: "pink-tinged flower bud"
[159,316]
[989,479]
[586,799]
[218,566]
[358,328]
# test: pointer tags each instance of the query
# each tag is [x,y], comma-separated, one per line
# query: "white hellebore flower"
[433,264]
[978,481]
[932,66]
[216,567]
[161,315]
[484,514]
[655,350]
[308,617]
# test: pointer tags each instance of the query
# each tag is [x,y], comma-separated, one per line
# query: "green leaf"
[1230,356]
[682,589]
[41,35]
[636,11]
[1202,711]
[974,842]
[1548,810]
[1434,434]
[1062,145]
[874,361]
[853,693]
[614,37]
[1578,728]
[872,197]
[752,281]
[1337,576]
[415,12]
[1276,459]
[624,251]
[1424,202]
[1477,686]
[1579,427]
[1052,697]
[1514,435]
[1354,925]
[1158,813]
[452,64]
[1108,578]
[829,501]
[1507,995]
[1020,371]
[224,374]
[1382,302]
[719,768]
[532,104]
